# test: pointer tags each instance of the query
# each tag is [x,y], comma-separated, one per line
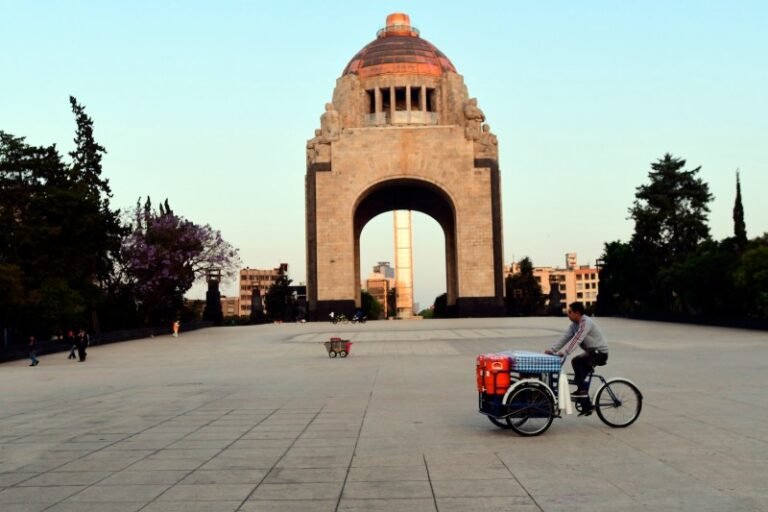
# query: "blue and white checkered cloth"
[532,362]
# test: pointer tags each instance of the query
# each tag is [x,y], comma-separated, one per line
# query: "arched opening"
[378,261]
[416,195]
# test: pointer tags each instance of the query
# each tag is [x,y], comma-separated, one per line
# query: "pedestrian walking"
[176,326]
[70,340]
[81,340]
[33,351]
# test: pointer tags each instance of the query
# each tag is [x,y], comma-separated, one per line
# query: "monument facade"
[402,133]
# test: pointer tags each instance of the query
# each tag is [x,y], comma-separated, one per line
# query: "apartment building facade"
[574,282]
[254,284]
[230,306]
[380,281]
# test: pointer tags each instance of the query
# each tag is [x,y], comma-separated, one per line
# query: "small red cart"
[338,347]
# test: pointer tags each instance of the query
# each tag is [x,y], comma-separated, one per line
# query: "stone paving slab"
[259,418]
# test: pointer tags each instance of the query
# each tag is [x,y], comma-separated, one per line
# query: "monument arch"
[402,133]
[399,193]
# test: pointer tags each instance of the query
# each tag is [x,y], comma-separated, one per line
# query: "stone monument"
[402,133]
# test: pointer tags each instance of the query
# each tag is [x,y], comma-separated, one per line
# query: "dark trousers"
[81,352]
[584,363]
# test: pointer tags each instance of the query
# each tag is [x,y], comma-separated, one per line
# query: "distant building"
[384,268]
[230,306]
[379,283]
[255,282]
[576,283]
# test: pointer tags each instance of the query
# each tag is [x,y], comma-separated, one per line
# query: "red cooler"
[496,374]
[479,372]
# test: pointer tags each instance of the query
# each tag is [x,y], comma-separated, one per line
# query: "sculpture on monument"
[487,146]
[473,117]
[318,149]
[330,123]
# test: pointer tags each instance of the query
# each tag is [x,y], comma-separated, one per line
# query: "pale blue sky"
[210,103]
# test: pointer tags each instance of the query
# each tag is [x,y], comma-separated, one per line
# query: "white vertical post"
[403,264]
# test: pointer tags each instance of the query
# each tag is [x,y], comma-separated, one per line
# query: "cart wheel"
[331,354]
[503,423]
[506,423]
[343,353]
[533,410]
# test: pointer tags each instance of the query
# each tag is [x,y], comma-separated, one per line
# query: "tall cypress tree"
[739,228]
[86,158]
[99,226]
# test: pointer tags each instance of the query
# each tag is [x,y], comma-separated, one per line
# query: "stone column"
[392,105]
[378,107]
[408,101]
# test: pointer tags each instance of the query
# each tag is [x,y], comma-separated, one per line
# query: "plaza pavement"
[258,418]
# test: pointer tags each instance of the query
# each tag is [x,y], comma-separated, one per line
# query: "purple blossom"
[165,254]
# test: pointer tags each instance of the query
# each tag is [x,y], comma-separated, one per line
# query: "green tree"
[371,307]
[440,310]
[670,215]
[625,280]
[45,242]
[524,296]
[427,313]
[279,299]
[670,212]
[702,283]
[751,278]
[392,302]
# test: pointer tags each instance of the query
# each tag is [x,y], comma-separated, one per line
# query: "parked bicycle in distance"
[341,318]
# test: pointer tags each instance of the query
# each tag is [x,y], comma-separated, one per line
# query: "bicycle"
[341,318]
[530,402]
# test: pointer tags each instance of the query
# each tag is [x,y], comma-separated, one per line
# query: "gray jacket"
[586,334]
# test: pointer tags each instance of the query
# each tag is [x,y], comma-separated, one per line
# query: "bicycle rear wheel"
[618,403]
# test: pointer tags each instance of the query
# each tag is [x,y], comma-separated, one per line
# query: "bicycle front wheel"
[618,403]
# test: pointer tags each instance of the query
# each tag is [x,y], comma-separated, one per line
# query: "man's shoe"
[587,412]
[580,393]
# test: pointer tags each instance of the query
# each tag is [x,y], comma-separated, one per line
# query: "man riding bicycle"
[583,332]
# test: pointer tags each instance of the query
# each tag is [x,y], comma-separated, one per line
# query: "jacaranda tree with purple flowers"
[165,254]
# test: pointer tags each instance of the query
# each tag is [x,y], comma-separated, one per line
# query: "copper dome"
[398,49]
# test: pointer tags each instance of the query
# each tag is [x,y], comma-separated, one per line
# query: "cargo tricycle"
[519,390]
